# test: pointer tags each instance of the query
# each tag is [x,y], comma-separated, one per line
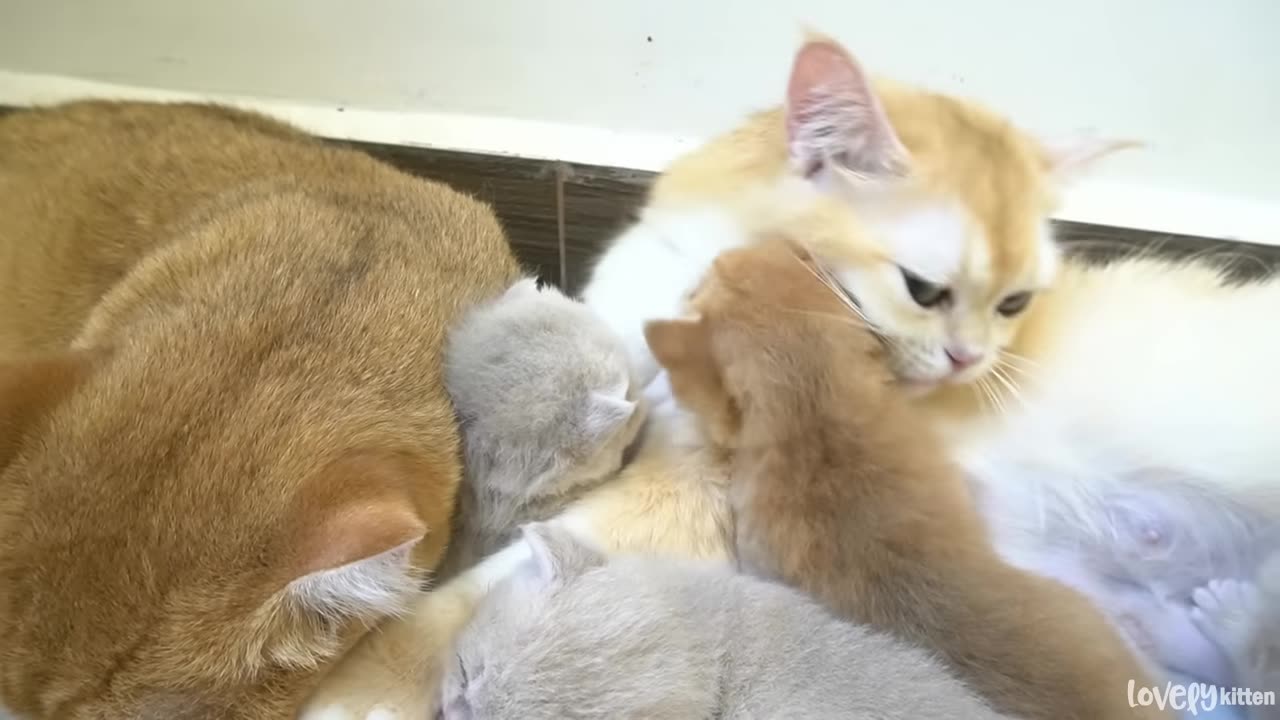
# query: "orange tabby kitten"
[225,442]
[837,487]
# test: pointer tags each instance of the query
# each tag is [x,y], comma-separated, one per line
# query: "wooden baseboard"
[559,216]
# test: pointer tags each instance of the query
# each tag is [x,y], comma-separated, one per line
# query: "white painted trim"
[1160,210]
[1099,201]
[449,131]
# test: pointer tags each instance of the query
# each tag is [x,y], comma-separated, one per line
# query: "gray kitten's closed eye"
[544,394]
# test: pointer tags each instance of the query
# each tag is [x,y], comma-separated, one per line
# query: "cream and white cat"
[1079,398]
[1060,386]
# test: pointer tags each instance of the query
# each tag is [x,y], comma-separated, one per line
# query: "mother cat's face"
[952,200]
[957,282]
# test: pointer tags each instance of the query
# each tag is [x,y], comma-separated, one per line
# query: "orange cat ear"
[683,347]
[354,532]
[675,343]
[30,388]
[835,120]
[1067,158]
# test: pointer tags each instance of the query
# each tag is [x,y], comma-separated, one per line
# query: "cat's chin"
[918,387]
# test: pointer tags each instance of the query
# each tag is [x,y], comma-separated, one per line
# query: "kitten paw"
[378,680]
[378,712]
[1227,611]
[367,703]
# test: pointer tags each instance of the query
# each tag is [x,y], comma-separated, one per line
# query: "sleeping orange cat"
[226,448]
[838,487]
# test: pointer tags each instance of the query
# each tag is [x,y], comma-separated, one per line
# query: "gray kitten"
[573,636]
[544,397]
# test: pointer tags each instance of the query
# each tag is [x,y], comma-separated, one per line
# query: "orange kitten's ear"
[30,388]
[677,342]
[353,536]
[1071,156]
[683,347]
[834,119]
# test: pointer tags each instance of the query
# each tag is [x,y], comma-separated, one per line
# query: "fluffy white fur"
[652,267]
[374,587]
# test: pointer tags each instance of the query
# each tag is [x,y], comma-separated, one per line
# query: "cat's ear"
[1068,157]
[678,343]
[30,388]
[556,556]
[524,287]
[683,347]
[607,414]
[835,120]
[349,549]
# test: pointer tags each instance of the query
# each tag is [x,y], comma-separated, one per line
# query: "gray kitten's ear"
[524,286]
[606,415]
[558,556]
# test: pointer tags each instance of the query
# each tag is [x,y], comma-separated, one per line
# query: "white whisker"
[994,405]
[825,276]
[1013,358]
[1009,384]
[984,397]
[855,322]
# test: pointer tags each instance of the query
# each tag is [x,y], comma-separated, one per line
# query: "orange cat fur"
[838,487]
[225,445]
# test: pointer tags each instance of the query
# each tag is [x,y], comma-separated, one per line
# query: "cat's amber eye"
[925,293]
[1014,304]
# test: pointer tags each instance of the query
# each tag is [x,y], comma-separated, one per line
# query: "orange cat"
[837,487]
[225,443]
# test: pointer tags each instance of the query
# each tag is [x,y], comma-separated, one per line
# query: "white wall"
[633,83]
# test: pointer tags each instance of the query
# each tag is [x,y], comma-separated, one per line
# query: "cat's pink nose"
[962,358]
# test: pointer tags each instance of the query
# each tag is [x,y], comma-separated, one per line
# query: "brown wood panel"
[599,203]
[1243,261]
[522,193]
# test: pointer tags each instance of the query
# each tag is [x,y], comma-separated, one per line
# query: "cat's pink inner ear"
[833,117]
[349,549]
[359,532]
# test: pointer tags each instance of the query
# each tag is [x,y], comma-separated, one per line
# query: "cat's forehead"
[979,199]
[944,241]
